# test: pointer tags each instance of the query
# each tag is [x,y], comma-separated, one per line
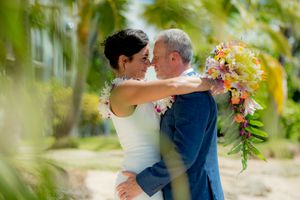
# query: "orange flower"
[239,118]
[244,95]
[221,54]
[235,100]
[227,84]
[210,71]
[256,61]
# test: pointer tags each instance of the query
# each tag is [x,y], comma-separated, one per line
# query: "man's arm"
[192,113]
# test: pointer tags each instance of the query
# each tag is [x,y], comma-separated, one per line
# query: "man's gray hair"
[177,40]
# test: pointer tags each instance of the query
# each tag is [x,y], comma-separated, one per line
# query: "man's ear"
[175,56]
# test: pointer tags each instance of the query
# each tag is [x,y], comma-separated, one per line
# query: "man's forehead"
[159,42]
[158,45]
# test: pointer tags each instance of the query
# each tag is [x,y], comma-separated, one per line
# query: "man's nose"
[152,63]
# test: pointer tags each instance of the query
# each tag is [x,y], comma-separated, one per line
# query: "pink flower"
[157,109]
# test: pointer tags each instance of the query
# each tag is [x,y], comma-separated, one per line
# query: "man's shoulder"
[194,95]
[195,99]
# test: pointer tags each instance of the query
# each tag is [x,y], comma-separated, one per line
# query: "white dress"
[139,138]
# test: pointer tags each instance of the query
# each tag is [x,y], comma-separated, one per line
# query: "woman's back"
[139,137]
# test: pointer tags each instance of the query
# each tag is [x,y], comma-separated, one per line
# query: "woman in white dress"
[128,102]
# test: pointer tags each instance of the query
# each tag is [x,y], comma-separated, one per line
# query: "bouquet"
[239,71]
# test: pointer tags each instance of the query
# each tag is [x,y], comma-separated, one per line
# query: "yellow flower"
[254,86]
[232,77]
[213,72]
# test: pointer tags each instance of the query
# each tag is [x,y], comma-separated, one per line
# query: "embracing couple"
[170,147]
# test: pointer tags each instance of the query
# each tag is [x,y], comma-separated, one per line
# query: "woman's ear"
[122,61]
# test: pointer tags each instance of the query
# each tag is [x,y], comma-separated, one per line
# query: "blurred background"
[54,144]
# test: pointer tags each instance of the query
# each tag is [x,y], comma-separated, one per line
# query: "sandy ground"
[271,180]
[101,184]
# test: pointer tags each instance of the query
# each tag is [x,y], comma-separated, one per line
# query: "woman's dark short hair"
[125,42]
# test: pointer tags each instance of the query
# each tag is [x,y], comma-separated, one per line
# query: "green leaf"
[245,152]
[256,140]
[244,164]
[235,149]
[256,123]
[257,133]
[254,116]
[256,152]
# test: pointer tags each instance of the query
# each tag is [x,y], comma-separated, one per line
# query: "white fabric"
[139,138]
[189,70]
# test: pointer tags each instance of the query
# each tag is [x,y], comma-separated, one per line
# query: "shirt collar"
[189,70]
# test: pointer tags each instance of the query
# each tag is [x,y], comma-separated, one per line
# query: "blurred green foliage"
[89,109]
[271,27]
[290,121]
[65,142]
[279,148]
[57,102]
[92,143]
[32,106]
[32,179]
[43,41]
[99,143]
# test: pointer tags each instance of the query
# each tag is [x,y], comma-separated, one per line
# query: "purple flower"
[242,132]
[245,124]
[249,135]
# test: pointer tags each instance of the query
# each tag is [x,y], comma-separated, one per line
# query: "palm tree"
[24,174]
[93,27]
[256,22]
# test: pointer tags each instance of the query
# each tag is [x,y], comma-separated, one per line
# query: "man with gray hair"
[189,165]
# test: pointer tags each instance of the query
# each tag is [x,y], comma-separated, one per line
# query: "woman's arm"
[134,92]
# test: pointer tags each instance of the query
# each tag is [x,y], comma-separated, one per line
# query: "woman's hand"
[206,84]
[217,87]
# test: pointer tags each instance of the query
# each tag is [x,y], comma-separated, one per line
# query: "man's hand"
[130,188]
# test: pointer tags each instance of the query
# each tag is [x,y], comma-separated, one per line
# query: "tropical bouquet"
[238,70]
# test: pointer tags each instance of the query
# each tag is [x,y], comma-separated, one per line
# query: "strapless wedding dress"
[139,138]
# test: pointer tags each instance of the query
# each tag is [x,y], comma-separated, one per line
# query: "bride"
[128,101]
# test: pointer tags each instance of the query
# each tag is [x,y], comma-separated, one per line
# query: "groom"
[189,165]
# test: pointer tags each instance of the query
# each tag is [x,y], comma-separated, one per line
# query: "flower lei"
[239,70]
[104,105]
[161,106]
